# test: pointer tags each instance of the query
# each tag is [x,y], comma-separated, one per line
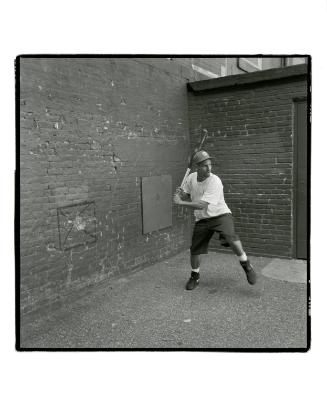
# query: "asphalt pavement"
[151,309]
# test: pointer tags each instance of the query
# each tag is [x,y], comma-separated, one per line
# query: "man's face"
[204,169]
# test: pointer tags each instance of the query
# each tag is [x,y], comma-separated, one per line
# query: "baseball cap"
[200,156]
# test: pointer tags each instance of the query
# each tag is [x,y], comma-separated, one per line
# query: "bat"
[199,146]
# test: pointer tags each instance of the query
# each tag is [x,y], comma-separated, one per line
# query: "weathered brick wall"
[90,128]
[251,139]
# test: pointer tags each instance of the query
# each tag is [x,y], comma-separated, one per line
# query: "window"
[293,61]
[249,64]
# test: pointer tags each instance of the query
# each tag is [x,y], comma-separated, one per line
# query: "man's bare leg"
[195,261]
[195,275]
[245,263]
[237,247]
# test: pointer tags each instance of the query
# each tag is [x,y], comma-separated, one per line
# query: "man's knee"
[230,240]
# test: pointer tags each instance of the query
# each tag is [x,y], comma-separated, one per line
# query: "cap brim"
[209,157]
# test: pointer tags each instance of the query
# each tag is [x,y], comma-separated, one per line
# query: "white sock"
[243,257]
[196,270]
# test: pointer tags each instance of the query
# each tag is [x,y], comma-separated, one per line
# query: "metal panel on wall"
[156,202]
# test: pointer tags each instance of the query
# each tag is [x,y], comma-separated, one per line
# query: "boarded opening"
[156,202]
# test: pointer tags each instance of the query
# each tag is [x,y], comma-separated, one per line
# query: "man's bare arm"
[197,205]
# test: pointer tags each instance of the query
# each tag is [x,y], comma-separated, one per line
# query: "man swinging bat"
[203,192]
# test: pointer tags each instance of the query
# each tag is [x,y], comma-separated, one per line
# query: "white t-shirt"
[210,190]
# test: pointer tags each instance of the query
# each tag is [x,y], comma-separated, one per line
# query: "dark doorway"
[300,178]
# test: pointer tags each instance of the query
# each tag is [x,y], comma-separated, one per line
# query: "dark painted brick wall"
[90,129]
[251,138]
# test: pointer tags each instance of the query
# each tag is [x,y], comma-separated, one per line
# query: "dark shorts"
[205,228]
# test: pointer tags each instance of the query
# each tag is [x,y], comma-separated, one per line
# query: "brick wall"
[90,128]
[250,130]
